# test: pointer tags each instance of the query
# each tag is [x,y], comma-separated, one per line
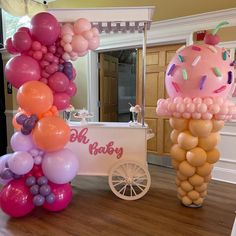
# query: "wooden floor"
[96,211]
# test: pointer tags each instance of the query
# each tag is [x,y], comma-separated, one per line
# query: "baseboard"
[223,174]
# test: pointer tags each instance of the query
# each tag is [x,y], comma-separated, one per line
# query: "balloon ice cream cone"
[200,82]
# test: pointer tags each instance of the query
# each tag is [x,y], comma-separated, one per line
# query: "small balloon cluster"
[78,38]
[41,168]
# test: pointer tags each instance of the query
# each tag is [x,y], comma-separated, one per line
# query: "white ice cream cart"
[116,150]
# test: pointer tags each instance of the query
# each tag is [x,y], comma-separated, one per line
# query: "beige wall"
[165,9]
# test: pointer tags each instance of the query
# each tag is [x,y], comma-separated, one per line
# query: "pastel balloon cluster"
[40,170]
[193,155]
[78,38]
[197,108]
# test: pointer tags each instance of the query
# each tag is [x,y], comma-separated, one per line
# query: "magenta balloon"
[21,142]
[58,82]
[9,46]
[20,163]
[74,73]
[21,41]
[71,89]
[60,167]
[25,29]
[45,28]
[21,69]
[15,199]
[63,196]
[61,100]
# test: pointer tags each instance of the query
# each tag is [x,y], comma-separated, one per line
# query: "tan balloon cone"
[193,156]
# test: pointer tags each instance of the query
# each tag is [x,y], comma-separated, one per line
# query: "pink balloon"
[95,31]
[74,73]
[36,46]
[51,68]
[21,69]
[21,41]
[37,55]
[82,25]
[58,82]
[68,47]
[61,100]
[66,56]
[24,29]
[45,28]
[71,89]
[67,38]
[49,57]
[94,43]
[63,196]
[88,34]
[67,29]
[44,63]
[81,54]
[9,46]
[15,199]
[79,43]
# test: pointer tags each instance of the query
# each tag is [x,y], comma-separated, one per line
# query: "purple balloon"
[50,198]
[38,160]
[6,174]
[3,165]
[42,180]
[60,167]
[21,162]
[21,69]
[45,190]
[61,100]
[38,200]
[34,189]
[45,28]
[31,180]
[21,142]
[34,152]
[68,64]
[29,123]
[21,119]
[25,131]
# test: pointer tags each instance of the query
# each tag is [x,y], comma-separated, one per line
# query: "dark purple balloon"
[16,176]
[21,119]
[29,123]
[45,190]
[34,189]
[25,131]
[34,117]
[68,64]
[38,200]
[42,180]
[6,174]
[30,181]
[50,198]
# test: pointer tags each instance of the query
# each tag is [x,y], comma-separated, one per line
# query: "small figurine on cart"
[135,110]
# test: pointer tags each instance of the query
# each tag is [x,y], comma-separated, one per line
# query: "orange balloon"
[200,128]
[186,141]
[35,97]
[174,135]
[209,142]
[179,124]
[217,125]
[51,133]
[177,153]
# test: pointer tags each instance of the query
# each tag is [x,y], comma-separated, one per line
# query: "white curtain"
[22,7]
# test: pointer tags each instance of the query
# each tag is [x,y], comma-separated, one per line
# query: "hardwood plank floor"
[95,210]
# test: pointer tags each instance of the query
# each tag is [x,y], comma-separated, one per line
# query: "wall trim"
[224,175]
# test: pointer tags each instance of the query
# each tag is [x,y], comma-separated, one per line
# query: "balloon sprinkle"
[171,69]
[212,48]
[224,55]
[185,75]
[195,48]
[222,88]
[230,77]
[196,60]
[217,72]
[202,81]
[233,63]
[176,86]
[181,59]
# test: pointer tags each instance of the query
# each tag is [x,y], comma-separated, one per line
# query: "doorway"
[117,85]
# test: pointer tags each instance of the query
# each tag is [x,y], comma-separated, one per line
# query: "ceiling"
[165,9]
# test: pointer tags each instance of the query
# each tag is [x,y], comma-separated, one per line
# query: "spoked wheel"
[129,180]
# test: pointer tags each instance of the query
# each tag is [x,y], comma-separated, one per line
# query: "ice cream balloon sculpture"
[200,82]
[39,171]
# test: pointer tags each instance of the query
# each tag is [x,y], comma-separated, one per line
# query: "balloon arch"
[39,171]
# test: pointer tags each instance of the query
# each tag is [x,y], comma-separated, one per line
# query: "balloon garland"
[39,171]
[199,81]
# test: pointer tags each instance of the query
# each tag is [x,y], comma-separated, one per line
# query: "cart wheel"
[129,180]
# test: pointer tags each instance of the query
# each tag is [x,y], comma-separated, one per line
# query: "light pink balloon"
[79,43]
[81,54]
[95,31]
[74,58]
[68,47]
[67,29]
[94,43]
[67,38]
[66,56]
[88,34]
[82,25]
